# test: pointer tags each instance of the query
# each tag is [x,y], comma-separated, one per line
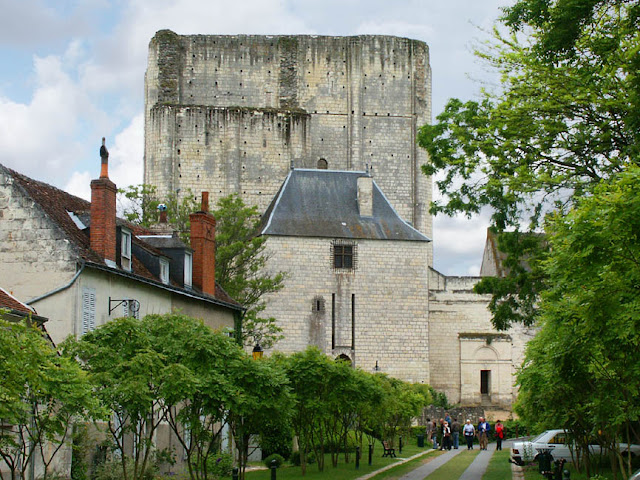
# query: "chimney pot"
[205,202]
[103,212]
[365,196]
[203,228]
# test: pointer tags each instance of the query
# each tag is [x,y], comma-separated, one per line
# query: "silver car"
[558,444]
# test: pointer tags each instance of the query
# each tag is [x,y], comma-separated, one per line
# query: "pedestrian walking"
[455,433]
[483,433]
[499,435]
[469,432]
[446,436]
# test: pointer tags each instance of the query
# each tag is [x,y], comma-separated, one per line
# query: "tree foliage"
[332,399]
[241,267]
[241,260]
[582,371]
[565,118]
[41,393]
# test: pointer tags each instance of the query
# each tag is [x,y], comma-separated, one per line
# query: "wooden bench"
[388,451]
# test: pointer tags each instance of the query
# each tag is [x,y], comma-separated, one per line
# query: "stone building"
[358,273]
[80,266]
[232,114]
[262,116]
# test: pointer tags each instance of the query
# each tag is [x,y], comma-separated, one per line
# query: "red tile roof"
[12,303]
[57,204]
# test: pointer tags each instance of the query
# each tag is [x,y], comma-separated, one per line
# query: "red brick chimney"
[203,243]
[103,211]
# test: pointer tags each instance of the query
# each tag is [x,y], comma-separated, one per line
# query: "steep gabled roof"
[73,215]
[323,203]
[16,308]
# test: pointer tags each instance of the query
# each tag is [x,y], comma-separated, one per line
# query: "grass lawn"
[344,471]
[499,467]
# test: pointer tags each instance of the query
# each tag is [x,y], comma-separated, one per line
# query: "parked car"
[635,476]
[558,443]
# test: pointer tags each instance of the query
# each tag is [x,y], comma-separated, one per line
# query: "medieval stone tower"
[229,114]
[234,114]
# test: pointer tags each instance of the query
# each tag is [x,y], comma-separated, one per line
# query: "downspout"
[59,289]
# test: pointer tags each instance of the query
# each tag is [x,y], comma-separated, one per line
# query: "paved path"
[473,471]
[425,470]
[478,466]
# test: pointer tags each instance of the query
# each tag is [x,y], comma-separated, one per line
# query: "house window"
[88,310]
[125,250]
[344,256]
[164,271]
[188,269]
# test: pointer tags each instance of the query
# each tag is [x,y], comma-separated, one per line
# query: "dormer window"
[164,271]
[188,269]
[125,250]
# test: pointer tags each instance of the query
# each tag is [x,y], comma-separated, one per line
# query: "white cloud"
[126,156]
[80,185]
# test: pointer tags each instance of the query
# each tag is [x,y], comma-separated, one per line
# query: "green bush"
[276,438]
[295,458]
[220,465]
[274,456]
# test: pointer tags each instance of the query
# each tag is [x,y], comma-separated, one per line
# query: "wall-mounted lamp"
[133,306]
[376,368]
[257,351]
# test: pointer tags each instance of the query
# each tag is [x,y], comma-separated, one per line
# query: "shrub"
[277,438]
[295,458]
[220,465]
[274,456]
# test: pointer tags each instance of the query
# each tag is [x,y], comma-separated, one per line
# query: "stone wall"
[35,255]
[463,342]
[387,288]
[232,113]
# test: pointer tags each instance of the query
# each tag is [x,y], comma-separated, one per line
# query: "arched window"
[322,164]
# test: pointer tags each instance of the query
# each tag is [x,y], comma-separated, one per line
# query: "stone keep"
[232,114]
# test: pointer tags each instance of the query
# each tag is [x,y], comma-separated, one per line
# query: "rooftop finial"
[104,157]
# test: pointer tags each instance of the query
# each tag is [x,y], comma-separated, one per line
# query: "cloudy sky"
[73,71]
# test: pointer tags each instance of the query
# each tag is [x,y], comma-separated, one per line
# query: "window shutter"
[88,310]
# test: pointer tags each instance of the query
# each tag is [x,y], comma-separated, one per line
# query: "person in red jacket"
[499,434]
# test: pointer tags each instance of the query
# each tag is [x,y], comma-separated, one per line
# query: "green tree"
[241,258]
[128,375]
[241,267]
[200,386]
[139,204]
[41,395]
[582,371]
[565,118]
[262,397]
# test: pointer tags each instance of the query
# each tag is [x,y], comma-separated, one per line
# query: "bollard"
[370,454]
[274,466]
[567,475]
[357,458]
[400,445]
[234,473]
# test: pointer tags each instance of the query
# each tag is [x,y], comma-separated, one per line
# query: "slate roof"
[323,203]
[57,204]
